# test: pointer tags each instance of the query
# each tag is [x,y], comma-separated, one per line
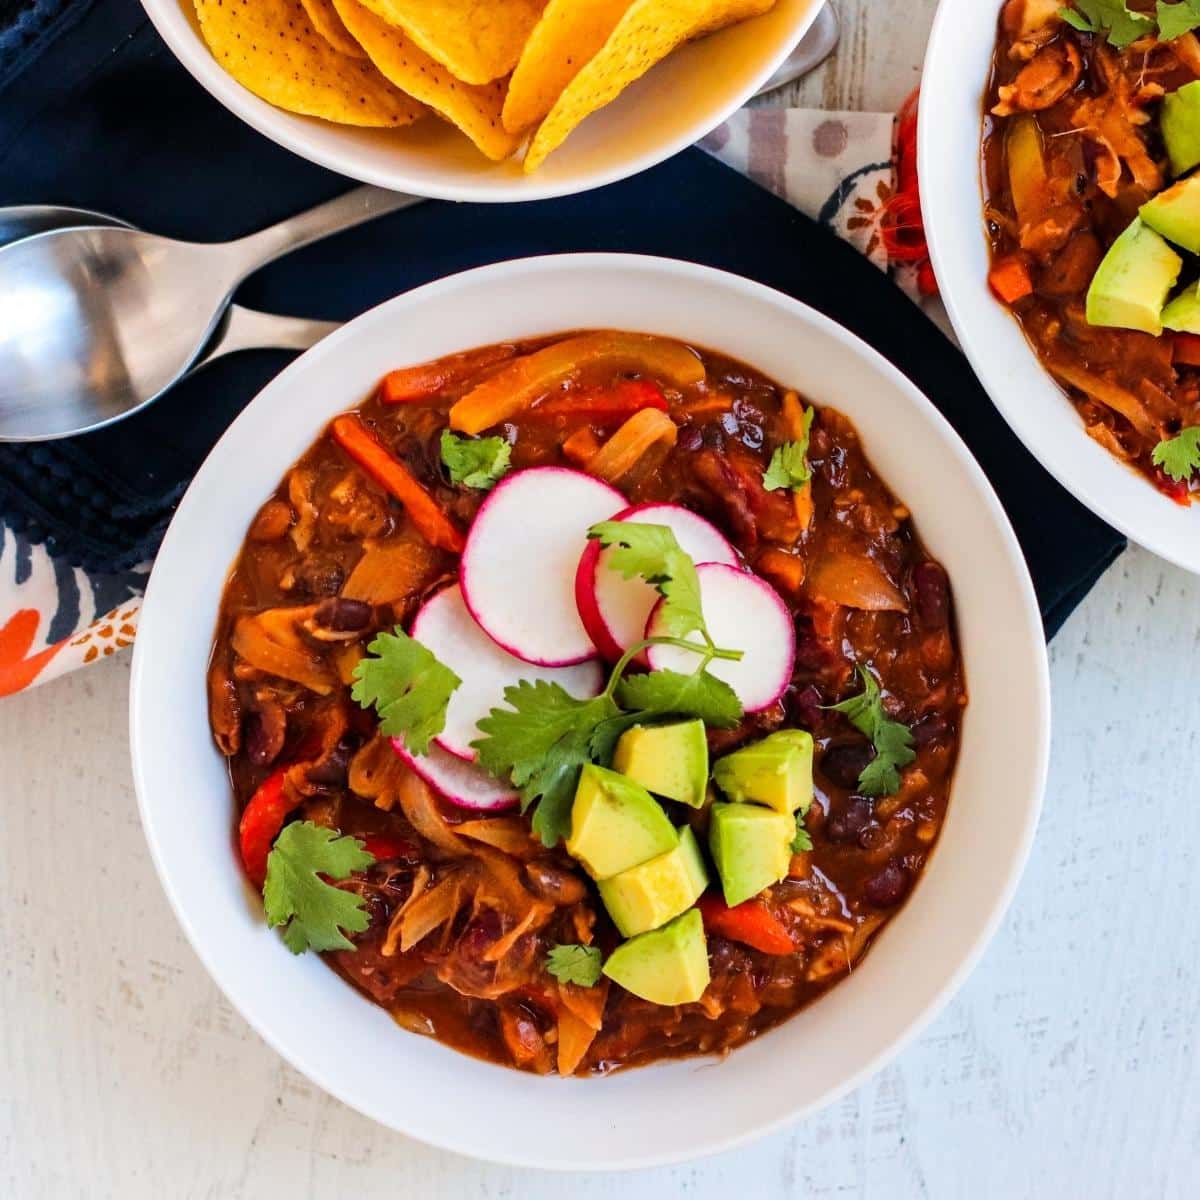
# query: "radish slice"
[744,613]
[463,784]
[445,627]
[518,566]
[614,610]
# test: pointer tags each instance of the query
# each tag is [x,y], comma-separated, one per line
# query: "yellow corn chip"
[646,34]
[474,109]
[271,48]
[562,43]
[329,25]
[476,40]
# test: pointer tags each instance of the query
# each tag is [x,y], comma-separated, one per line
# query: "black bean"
[806,707]
[849,820]
[889,887]
[691,438]
[935,727]
[843,762]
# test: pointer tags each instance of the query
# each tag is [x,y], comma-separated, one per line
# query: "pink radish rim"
[506,799]
[464,570]
[776,600]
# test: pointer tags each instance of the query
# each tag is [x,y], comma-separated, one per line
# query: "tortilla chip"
[644,36]
[329,25]
[475,110]
[476,40]
[271,48]
[564,40]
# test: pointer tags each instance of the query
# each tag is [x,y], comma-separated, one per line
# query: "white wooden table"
[1067,1067]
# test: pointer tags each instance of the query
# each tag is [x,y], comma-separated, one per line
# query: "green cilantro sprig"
[789,467]
[314,913]
[1123,25]
[408,687]
[891,739]
[1179,456]
[576,964]
[475,462]
[802,841]
[543,736]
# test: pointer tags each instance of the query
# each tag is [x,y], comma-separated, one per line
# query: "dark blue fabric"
[108,120]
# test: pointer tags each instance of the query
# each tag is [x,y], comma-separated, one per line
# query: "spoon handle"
[248,329]
[345,211]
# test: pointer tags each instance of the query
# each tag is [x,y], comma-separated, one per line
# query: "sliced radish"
[463,784]
[444,626]
[744,613]
[518,566]
[614,610]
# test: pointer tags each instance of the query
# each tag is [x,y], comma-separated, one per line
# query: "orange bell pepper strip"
[750,923]
[1009,279]
[410,385]
[390,473]
[516,386]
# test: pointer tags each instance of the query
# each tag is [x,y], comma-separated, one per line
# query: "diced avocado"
[1183,313]
[751,846]
[670,760]
[665,966]
[1175,213]
[1180,124]
[776,771]
[647,896]
[616,823]
[1132,281]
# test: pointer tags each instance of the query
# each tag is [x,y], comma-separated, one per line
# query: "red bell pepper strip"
[385,848]
[604,406]
[393,476]
[262,819]
[750,923]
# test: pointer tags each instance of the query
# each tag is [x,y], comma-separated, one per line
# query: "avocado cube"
[776,771]
[665,966]
[649,895]
[751,846]
[669,760]
[616,824]
[1180,124]
[1131,283]
[1175,213]
[1182,314]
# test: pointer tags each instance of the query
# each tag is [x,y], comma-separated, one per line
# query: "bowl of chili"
[273,634]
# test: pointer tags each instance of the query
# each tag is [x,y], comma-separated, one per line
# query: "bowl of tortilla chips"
[492,100]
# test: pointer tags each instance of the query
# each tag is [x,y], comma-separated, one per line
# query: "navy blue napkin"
[105,118]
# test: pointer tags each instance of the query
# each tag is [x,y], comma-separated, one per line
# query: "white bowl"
[674,105]
[951,116]
[661,1113]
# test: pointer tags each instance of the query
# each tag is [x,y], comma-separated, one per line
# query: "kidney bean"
[843,762]
[343,615]
[690,438]
[888,887]
[934,727]
[265,732]
[806,707]
[932,594]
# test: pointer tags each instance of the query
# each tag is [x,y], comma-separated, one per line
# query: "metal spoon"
[810,52]
[240,329]
[96,322]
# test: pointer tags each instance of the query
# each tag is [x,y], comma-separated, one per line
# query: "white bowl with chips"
[671,1110]
[675,104]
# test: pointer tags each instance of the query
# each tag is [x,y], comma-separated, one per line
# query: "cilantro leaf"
[539,742]
[475,462]
[801,842]
[891,739]
[1179,456]
[788,467]
[1174,20]
[313,912]
[573,963]
[653,552]
[408,687]
[1112,17]
[667,693]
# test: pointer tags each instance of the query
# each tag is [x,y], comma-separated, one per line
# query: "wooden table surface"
[1067,1066]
